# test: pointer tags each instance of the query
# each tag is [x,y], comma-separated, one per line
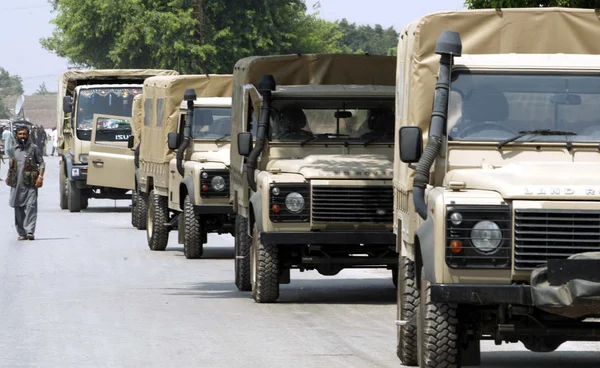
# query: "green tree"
[9,85]
[480,4]
[374,40]
[175,34]
[42,89]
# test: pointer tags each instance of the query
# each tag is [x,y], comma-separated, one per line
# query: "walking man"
[54,137]
[25,176]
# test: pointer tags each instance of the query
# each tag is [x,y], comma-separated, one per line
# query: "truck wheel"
[243,244]
[408,302]
[74,197]
[85,201]
[437,331]
[194,231]
[265,269]
[62,187]
[142,210]
[134,208]
[158,214]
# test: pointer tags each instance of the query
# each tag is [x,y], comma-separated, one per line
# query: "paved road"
[89,293]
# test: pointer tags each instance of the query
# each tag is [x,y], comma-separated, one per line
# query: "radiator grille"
[355,204]
[541,235]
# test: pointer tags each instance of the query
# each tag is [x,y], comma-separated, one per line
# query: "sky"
[23,23]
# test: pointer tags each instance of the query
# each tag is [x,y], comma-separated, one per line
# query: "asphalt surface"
[89,293]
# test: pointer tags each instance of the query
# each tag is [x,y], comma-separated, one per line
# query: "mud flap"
[569,288]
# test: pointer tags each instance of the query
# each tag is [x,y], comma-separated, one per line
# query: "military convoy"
[498,214]
[81,95]
[483,131]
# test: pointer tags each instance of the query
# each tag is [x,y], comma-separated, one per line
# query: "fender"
[426,235]
[68,165]
[188,181]
[256,201]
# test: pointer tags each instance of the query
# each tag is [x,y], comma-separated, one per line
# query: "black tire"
[243,244]
[142,211]
[85,201]
[265,269]
[134,208]
[157,232]
[73,196]
[438,332]
[62,187]
[408,304]
[194,231]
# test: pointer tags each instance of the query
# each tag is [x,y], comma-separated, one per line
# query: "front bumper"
[214,210]
[570,288]
[329,237]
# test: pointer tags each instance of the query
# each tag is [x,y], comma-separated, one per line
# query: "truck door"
[110,162]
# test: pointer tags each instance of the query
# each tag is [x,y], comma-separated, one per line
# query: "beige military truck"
[314,192]
[184,159]
[81,94]
[498,217]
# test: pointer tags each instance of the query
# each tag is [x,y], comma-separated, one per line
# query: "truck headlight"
[218,183]
[486,236]
[294,202]
[83,159]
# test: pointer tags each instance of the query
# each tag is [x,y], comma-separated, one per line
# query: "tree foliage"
[42,89]
[480,4]
[9,85]
[174,34]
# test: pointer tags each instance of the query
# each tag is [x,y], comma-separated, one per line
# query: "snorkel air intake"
[266,86]
[190,97]
[448,46]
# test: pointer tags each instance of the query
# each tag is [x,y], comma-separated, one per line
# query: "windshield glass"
[105,101]
[333,120]
[212,123]
[495,107]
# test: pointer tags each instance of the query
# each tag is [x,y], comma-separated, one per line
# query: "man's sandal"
[22,238]
[30,236]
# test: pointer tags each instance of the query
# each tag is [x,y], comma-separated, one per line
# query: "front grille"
[541,235]
[207,181]
[355,204]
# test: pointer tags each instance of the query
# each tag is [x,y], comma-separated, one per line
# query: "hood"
[366,166]
[540,180]
[221,156]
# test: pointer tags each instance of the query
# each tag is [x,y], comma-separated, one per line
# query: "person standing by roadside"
[25,176]
[8,138]
[54,137]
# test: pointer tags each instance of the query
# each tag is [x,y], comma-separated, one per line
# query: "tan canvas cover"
[137,114]
[485,31]
[490,31]
[170,90]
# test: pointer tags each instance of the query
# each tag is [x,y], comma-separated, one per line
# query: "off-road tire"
[243,244]
[85,202]
[62,187]
[438,332]
[157,232]
[193,232]
[265,269]
[73,196]
[142,211]
[134,208]
[408,306]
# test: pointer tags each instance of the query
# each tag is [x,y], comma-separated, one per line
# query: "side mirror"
[244,143]
[411,144]
[173,141]
[67,104]
[130,141]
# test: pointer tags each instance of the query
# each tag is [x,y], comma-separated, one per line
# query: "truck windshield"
[333,120]
[106,101]
[212,123]
[498,107]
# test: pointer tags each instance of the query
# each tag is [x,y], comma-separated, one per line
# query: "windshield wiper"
[228,135]
[534,132]
[373,139]
[317,136]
